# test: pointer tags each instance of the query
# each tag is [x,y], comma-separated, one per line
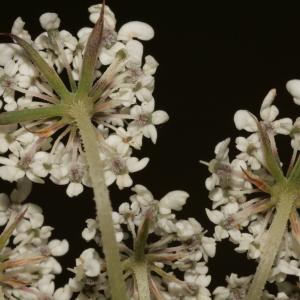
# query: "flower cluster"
[243,190]
[27,258]
[173,249]
[123,108]
[237,287]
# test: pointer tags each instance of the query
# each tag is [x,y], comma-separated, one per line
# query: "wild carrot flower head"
[175,251]
[245,191]
[28,265]
[106,73]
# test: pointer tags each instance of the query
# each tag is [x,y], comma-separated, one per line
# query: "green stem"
[29,114]
[270,248]
[103,205]
[140,271]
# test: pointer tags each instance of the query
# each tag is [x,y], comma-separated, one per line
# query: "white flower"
[268,113]
[146,119]
[179,244]
[30,244]
[123,112]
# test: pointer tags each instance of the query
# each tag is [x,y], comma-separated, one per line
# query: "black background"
[214,59]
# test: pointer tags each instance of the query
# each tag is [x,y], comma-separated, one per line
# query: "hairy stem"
[271,246]
[103,205]
[140,271]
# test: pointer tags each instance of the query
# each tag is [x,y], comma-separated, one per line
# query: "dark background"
[214,59]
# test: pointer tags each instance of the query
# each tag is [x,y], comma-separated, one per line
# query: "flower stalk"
[29,115]
[140,270]
[103,205]
[272,243]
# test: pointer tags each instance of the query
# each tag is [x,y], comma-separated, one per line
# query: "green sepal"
[270,155]
[141,238]
[47,71]
[90,56]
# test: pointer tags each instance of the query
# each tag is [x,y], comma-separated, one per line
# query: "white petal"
[58,248]
[159,117]
[11,173]
[7,51]
[64,293]
[150,132]
[27,69]
[244,120]
[74,189]
[46,285]
[209,246]
[268,100]
[144,94]
[124,181]
[221,149]
[283,126]
[150,65]
[214,216]
[270,113]
[135,165]
[293,87]
[136,29]
[174,200]
[135,51]
[109,177]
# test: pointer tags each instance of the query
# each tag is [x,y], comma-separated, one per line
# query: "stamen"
[204,163]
